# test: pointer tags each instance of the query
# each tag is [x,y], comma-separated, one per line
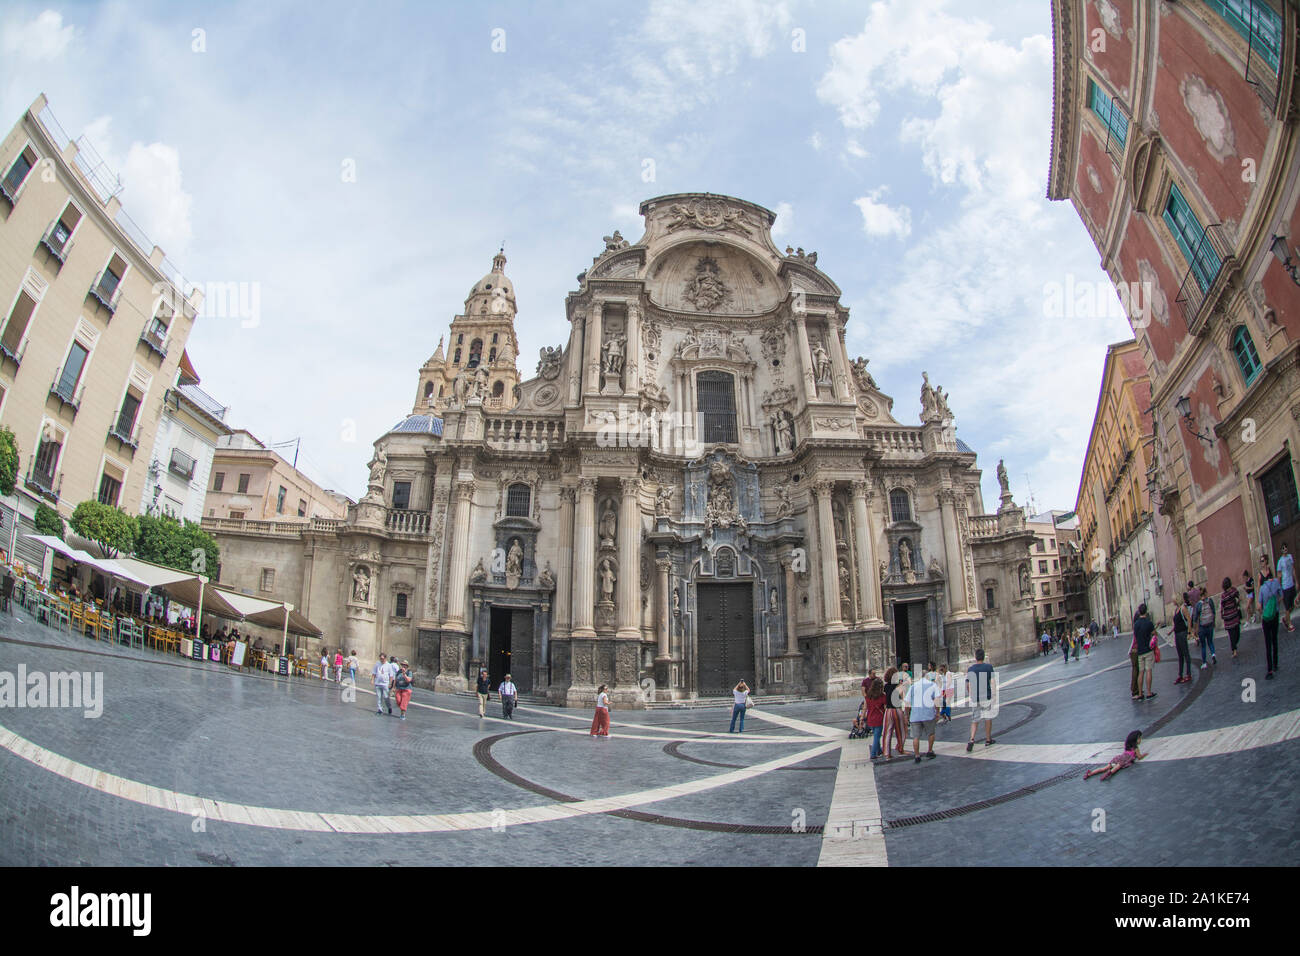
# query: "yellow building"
[250,482]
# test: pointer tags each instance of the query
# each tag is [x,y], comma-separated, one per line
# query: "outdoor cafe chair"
[59,611]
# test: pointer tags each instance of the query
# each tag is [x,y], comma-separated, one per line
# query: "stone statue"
[784,431]
[480,382]
[935,569]
[608,525]
[904,556]
[772,599]
[941,404]
[460,388]
[548,366]
[884,569]
[607,580]
[361,585]
[837,515]
[378,465]
[821,364]
[479,574]
[1003,481]
[615,242]
[929,405]
[846,584]
[613,363]
[677,601]
[1024,581]
[862,376]
[515,559]
[784,506]
[546,580]
[663,501]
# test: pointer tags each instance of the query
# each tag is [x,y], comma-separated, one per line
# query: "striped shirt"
[1230,605]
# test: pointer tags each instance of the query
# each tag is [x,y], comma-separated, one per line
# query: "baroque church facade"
[699,486]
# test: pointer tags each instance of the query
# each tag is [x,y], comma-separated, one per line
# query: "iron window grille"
[518,500]
[717,403]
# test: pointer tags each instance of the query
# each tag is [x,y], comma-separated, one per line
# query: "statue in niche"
[784,506]
[837,515]
[608,525]
[784,429]
[546,580]
[1024,581]
[613,357]
[607,580]
[884,569]
[904,556]
[515,559]
[821,364]
[479,574]
[706,290]
[677,602]
[361,585]
[772,599]
[935,570]
[663,501]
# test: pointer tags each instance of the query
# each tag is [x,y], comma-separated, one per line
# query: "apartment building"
[251,482]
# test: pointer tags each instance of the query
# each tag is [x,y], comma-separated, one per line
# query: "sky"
[354,167]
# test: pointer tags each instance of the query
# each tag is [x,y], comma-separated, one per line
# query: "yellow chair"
[77,616]
[90,622]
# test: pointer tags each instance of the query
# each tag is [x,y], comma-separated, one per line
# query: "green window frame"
[1192,239]
[1243,350]
[1257,23]
[1109,112]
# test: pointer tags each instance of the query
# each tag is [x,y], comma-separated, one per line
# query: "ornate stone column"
[632,354]
[576,355]
[594,337]
[840,360]
[664,628]
[584,560]
[564,569]
[830,566]
[629,559]
[805,357]
[458,578]
[791,622]
[954,566]
[868,571]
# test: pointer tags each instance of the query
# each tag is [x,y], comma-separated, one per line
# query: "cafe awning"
[103,565]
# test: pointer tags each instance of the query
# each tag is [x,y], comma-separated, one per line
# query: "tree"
[111,528]
[48,521]
[184,546]
[8,461]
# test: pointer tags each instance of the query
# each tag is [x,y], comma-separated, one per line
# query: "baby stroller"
[859,728]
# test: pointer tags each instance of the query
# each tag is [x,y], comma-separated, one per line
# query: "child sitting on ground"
[1132,752]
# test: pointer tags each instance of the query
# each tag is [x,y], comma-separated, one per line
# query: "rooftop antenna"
[1029,497]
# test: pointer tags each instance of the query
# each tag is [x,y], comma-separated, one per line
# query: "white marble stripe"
[270,817]
[781,720]
[853,834]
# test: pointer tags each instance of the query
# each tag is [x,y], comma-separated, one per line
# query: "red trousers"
[600,723]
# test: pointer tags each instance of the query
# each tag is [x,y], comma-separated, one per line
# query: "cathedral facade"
[699,486]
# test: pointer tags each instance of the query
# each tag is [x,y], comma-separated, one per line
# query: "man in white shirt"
[382,678]
[509,696]
[920,702]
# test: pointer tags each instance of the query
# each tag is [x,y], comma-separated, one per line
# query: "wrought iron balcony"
[1263,51]
[181,465]
[156,342]
[126,432]
[106,290]
[1201,284]
[68,393]
[8,192]
[14,355]
[45,485]
[57,241]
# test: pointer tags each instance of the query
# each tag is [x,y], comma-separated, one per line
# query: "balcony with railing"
[106,290]
[403,521]
[43,483]
[523,434]
[181,465]
[56,241]
[68,392]
[984,526]
[203,401]
[1205,277]
[15,354]
[126,429]
[896,441]
[1262,28]
[155,337]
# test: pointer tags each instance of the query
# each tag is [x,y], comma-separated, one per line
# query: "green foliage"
[111,528]
[8,461]
[48,521]
[186,547]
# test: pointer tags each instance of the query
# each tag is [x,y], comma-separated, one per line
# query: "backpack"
[1206,616]
[1270,608]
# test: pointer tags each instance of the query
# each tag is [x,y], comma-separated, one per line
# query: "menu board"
[283,666]
[198,651]
[237,659]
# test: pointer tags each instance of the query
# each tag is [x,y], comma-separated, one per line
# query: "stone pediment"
[712,278]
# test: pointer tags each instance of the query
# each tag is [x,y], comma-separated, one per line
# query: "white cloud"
[880,219]
[815,141]
[45,38]
[158,200]
[784,219]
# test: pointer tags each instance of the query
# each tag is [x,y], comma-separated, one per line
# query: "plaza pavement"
[194,764]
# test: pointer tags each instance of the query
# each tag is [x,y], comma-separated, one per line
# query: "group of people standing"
[897,706]
[339,662]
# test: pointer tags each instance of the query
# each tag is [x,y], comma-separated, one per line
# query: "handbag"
[1157,653]
[749,702]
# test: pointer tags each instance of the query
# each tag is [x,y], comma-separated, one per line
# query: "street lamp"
[1282,252]
[1184,405]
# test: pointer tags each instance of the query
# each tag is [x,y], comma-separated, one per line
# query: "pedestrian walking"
[324,663]
[1114,630]
[380,678]
[893,716]
[1132,753]
[1286,578]
[980,690]
[921,704]
[1066,641]
[1248,585]
[509,697]
[600,723]
[947,683]
[1181,628]
[402,684]
[1230,605]
[352,667]
[338,666]
[741,703]
[1270,613]
[875,716]
[484,690]
[1077,638]
[1204,617]
[1046,642]
[1144,641]
[1087,643]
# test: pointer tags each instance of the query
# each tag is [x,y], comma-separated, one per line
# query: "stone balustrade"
[522,434]
[895,441]
[401,521]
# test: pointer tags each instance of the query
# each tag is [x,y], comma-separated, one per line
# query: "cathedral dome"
[495,284]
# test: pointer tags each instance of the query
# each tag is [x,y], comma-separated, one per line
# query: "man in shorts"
[1144,634]
[920,703]
[1286,578]
[980,690]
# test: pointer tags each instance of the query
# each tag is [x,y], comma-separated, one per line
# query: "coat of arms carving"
[705,290]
